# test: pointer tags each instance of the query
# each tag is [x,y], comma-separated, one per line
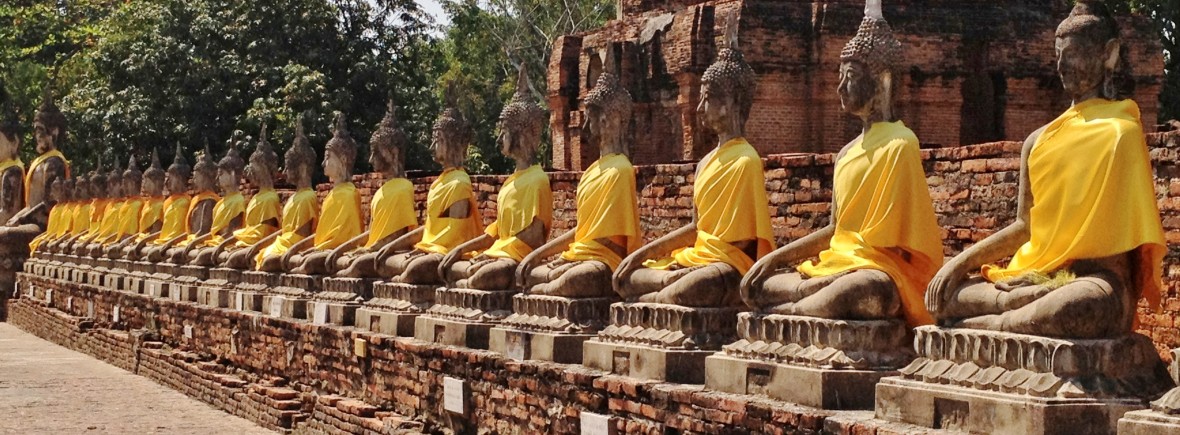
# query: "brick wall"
[973,72]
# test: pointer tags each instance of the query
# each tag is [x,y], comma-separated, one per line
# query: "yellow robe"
[98,209]
[262,218]
[199,198]
[300,210]
[391,210]
[440,233]
[524,197]
[1093,196]
[80,219]
[108,227]
[127,222]
[175,218]
[731,206]
[340,217]
[36,163]
[226,210]
[151,213]
[607,207]
[883,208]
[58,218]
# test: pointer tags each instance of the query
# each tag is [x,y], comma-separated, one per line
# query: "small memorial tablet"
[320,314]
[188,331]
[115,314]
[454,395]
[276,306]
[596,424]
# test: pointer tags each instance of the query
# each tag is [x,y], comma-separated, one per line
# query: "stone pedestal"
[660,341]
[185,282]
[549,328]
[339,300]
[253,292]
[1164,415]
[1003,383]
[463,317]
[217,291]
[821,363]
[393,307]
[291,297]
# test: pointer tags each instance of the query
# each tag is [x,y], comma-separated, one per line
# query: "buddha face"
[857,87]
[46,137]
[57,191]
[1083,64]
[176,183]
[115,187]
[714,110]
[81,191]
[153,187]
[203,180]
[130,186]
[382,158]
[334,167]
[9,145]
[227,180]
[257,175]
[598,126]
[97,189]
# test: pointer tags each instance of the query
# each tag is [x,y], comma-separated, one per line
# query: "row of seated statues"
[1087,242]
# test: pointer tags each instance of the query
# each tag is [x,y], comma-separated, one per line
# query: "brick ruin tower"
[976,72]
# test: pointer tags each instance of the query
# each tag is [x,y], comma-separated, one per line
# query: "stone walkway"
[48,389]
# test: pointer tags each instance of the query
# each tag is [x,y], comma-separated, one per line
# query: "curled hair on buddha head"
[390,139]
[342,143]
[232,162]
[522,116]
[98,177]
[451,126]
[264,157]
[205,163]
[155,172]
[51,117]
[730,75]
[300,154]
[1091,21]
[875,46]
[609,96]
[180,167]
[67,185]
[133,172]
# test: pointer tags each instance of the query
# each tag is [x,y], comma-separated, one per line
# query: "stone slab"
[287,307]
[1149,422]
[452,332]
[808,386]
[386,322]
[248,301]
[214,296]
[333,313]
[646,362]
[673,327]
[976,411]
[544,346]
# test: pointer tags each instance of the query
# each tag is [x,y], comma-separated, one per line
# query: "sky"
[434,9]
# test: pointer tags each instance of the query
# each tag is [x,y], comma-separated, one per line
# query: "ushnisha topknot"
[155,172]
[264,155]
[132,169]
[180,166]
[232,162]
[388,134]
[608,93]
[205,162]
[50,116]
[874,43]
[522,115]
[730,74]
[342,143]
[97,176]
[1089,17]
[450,123]
[300,152]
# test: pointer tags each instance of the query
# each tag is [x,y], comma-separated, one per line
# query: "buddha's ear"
[885,95]
[1112,54]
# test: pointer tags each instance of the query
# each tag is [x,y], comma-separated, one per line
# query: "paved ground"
[48,389]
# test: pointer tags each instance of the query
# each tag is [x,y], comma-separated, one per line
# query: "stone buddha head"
[81,190]
[10,136]
[115,181]
[178,173]
[154,177]
[727,88]
[340,152]
[868,64]
[132,178]
[57,191]
[98,181]
[49,125]
[229,169]
[521,123]
[608,111]
[1089,58]
[386,145]
[451,134]
[299,161]
[205,171]
[264,163]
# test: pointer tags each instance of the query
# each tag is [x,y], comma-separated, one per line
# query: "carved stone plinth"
[217,291]
[660,341]
[339,300]
[290,298]
[1004,383]
[393,306]
[185,282]
[549,328]
[1164,415]
[822,363]
[253,292]
[463,317]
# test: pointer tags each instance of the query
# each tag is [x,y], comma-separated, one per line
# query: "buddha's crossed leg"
[482,273]
[860,294]
[571,279]
[1095,305]
[712,285]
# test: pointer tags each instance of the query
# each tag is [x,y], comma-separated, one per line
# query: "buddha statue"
[524,205]
[229,214]
[299,212]
[391,211]
[146,217]
[108,224]
[882,246]
[175,211]
[49,127]
[128,211]
[607,227]
[451,215]
[340,215]
[701,264]
[99,202]
[59,222]
[1083,253]
[79,214]
[262,213]
[198,217]
[12,170]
